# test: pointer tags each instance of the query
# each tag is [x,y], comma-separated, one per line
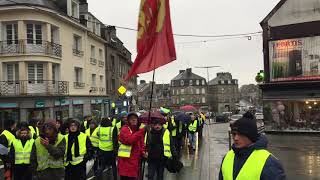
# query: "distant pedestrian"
[23,154]
[131,148]
[160,148]
[192,129]
[108,147]
[50,148]
[6,139]
[78,151]
[86,123]
[249,159]
[33,126]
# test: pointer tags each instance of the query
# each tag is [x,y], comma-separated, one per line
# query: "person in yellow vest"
[86,123]
[50,148]
[160,148]
[192,129]
[108,147]
[249,159]
[23,154]
[78,151]
[122,121]
[114,120]
[33,126]
[92,133]
[6,138]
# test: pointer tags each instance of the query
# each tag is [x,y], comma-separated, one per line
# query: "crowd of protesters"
[55,149]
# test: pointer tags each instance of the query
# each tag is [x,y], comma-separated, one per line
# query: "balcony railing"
[33,88]
[93,61]
[38,47]
[77,52]
[79,85]
[101,63]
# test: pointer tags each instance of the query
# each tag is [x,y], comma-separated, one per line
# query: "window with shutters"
[12,33]
[35,73]
[75,9]
[12,72]
[34,33]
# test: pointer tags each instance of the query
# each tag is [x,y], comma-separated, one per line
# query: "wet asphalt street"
[300,155]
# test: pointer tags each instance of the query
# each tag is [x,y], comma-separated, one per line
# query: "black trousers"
[107,158]
[22,172]
[73,172]
[127,178]
[155,169]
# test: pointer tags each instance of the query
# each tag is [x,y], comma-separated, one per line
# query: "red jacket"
[130,166]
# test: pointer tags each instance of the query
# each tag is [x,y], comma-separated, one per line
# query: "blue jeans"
[192,140]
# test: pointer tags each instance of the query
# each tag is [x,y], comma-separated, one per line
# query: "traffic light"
[260,76]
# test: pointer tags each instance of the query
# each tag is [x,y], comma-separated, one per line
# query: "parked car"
[221,118]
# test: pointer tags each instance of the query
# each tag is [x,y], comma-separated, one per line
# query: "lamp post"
[208,79]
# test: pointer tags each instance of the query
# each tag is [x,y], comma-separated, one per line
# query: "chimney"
[142,81]
[181,71]
[189,70]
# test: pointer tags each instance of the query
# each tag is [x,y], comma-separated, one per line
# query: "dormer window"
[74,9]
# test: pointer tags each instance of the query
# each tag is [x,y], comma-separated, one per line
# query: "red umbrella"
[188,108]
[144,118]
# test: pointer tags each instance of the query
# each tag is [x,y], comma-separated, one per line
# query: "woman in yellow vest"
[249,159]
[23,154]
[6,139]
[160,148]
[78,151]
[50,148]
[108,147]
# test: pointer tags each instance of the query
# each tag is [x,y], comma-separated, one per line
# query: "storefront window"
[96,111]
[292,115]
[6,114]
[38,114]
[62,112]
[78,111]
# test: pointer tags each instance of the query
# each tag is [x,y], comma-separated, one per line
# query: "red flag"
[155,44]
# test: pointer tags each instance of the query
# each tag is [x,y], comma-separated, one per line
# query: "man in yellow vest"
[108,147]
[249,159]
[160,148]
[33,126]
[92,133]
[192,129]
[50,148]
[86,123]
[23,154]
[78,151]
[6,139]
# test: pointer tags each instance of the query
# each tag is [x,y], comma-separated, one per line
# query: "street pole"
[208,79]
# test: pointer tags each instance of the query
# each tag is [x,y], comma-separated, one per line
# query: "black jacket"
[272,169]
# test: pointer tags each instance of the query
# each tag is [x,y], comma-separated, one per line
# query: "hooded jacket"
[272,169]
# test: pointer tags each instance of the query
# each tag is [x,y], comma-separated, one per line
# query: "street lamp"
[208,79]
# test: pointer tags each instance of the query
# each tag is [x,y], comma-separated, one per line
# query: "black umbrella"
[183,117]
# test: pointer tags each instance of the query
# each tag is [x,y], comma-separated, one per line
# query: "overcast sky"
[241,57]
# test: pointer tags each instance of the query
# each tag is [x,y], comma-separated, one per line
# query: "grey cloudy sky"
[241,57]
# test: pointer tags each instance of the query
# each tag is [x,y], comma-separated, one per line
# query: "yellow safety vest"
[85,123]
[82,139]
[174,131]
[165,125]
[43,157]
[10,137]
[22,153]
[166,144]
[33,132]
[118,126]
[114,122]
[125,150]
[105,138]
[93,137]
[142,125]
[193,126]
[252,168]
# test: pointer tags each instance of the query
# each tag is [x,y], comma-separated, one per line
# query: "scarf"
[73,138]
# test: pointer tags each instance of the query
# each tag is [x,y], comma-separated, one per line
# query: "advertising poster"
[295,59]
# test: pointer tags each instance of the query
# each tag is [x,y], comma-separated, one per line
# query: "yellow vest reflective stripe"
[105,138]
[252,168]
[82,139]
[193,126]
[22,153]
[125,150]
[43,157]
[10,137]
[34,131]
[174,131]
[165,125]
[166,144]
[142,125]
[93,137]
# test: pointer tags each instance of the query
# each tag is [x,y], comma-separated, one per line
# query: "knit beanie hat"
[246,127]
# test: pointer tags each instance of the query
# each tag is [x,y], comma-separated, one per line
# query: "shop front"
[78,109]
[39,112]
[96,108]
[8,111]
[61,109]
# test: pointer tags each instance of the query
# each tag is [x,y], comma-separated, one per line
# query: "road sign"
[122,90]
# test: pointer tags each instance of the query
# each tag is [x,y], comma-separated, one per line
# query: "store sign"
[40,104]
[8,105]
[295,59]
[62,102]
[96,101]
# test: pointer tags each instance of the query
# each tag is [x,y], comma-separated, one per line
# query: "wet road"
[300,155]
